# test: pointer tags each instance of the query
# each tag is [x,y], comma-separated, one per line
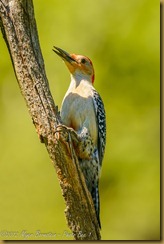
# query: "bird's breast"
[77,111]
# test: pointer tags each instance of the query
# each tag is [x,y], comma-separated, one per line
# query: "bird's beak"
[64,55]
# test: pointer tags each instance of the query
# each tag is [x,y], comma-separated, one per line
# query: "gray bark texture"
[19,30]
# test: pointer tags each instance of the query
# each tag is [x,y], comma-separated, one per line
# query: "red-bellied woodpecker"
[83,110]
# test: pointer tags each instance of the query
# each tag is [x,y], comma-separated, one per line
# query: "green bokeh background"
[122,39]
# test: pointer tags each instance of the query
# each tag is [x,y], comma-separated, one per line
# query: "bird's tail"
[89,171]
[96,201]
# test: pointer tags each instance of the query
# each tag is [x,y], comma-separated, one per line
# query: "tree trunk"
[20,33]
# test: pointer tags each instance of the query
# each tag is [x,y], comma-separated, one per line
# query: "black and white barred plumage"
[101,123]
[91,168]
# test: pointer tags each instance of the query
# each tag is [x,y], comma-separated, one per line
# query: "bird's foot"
[82,143]
[65,133]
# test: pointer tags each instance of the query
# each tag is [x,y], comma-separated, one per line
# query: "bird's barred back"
[101,122]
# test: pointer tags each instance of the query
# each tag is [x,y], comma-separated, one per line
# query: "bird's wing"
[101,123]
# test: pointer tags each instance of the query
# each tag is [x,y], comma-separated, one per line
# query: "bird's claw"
[60,128]
[65,133]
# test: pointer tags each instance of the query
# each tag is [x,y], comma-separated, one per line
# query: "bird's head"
[78,65]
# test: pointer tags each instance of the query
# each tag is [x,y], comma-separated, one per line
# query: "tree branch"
[20,33]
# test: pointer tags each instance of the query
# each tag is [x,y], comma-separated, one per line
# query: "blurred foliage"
[122,39]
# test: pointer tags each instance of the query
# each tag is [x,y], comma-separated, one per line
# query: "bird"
[83,110]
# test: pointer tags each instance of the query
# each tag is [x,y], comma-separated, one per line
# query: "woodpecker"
[83,110]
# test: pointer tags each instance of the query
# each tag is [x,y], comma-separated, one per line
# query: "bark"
[19,30]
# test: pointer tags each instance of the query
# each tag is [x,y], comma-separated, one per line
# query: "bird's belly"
[78,115]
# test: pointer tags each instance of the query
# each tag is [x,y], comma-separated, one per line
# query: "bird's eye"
[83,61]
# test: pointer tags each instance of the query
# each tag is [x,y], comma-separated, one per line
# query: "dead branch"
[20,34]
